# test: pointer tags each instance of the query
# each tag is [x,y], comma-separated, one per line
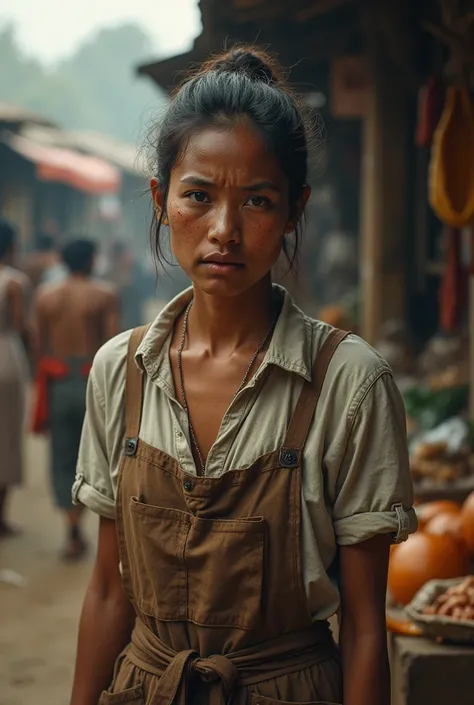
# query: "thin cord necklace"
[192,434]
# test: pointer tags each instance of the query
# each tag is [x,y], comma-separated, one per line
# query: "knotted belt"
[282,655]
[49,368]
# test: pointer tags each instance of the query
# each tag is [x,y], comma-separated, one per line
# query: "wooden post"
[471,324]
[383,192]
[370,227]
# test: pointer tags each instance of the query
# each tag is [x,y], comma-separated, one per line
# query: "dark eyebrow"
[196,181]
[262,186]
[204,183]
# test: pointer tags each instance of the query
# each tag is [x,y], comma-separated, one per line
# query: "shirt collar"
[290,347]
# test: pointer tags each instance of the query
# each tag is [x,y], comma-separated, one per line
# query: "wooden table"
[455,491]
[427,673]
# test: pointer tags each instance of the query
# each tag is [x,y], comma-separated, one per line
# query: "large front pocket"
[225,560]
[200,570]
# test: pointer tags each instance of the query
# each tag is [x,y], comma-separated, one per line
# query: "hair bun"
[255,64]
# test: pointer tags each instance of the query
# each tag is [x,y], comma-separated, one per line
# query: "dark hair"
[78,255]
[243,82]
[45,242]
[7,237]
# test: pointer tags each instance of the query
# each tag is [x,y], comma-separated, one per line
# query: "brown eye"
[198,197]
[258,201]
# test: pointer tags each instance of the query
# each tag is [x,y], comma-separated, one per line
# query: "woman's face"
[227,209]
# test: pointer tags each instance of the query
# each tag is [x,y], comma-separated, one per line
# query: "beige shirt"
[356,480]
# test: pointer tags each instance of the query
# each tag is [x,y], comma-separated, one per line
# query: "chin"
[221,286]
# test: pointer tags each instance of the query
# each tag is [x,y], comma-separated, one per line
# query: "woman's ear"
[298,210]
[158,200]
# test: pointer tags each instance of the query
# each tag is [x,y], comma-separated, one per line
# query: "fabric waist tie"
[49,368]
[279,656]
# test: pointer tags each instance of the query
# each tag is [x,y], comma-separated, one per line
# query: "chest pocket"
[206,571]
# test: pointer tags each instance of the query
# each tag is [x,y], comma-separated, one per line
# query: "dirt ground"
[38,622]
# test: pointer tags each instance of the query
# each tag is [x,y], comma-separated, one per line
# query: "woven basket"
[438,626]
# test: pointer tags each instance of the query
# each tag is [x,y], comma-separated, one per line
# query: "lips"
[223,260]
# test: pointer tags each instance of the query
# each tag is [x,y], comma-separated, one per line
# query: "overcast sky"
[52,29]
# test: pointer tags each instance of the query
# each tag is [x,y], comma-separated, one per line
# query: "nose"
[226,226]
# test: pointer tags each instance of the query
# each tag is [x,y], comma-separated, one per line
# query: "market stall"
[431,576]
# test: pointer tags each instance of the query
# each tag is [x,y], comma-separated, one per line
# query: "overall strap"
[306,406]
[133,392]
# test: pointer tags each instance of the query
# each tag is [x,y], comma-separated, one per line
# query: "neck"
[79,276]
[221,325]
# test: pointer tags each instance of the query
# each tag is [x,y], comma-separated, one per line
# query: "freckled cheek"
[183,224]
[264,239]
[187,233]
[177,216]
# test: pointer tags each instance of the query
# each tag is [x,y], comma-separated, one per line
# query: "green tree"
[17,72]
[95,89]
[105,66]
[63,99]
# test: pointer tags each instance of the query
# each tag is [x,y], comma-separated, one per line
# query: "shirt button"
[188,485]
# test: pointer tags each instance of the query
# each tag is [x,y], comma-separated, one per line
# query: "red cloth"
[430,107]
[48,368]
[454,287]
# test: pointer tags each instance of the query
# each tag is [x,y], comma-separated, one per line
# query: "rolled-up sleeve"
[93,485]
[374,490]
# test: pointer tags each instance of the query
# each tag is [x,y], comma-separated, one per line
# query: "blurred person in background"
[44,263]
[14,296]
[73,318]
[337,266]
[133,282]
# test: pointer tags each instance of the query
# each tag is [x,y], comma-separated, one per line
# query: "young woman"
[14,288]
[249,464]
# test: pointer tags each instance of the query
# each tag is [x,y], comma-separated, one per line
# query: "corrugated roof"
[15,114]
[121,154]
[85,173]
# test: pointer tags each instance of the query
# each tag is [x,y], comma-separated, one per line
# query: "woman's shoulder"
[356,372]
[354,364]
[299,341]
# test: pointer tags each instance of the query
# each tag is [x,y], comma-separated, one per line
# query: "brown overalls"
[213,568]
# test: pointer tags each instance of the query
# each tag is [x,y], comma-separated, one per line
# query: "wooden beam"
[166,73]
[304,57]
[318,7]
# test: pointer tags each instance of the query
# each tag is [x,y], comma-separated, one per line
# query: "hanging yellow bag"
[451,176]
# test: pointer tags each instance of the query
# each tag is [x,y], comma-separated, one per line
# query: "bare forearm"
[365,666]
[105,628]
